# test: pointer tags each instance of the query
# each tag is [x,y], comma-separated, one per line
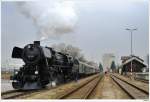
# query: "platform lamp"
[131,32]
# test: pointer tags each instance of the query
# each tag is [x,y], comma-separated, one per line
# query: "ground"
[5,75]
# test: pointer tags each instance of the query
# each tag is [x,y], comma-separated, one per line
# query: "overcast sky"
[100,28]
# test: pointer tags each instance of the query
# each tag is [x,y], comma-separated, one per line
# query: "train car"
[44,65]
[86,70]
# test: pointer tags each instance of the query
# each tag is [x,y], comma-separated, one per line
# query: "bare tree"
[73,51]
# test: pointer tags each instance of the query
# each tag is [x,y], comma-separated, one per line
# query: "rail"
[132,90]
[86,89]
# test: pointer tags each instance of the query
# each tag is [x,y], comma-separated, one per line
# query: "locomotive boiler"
[44,65]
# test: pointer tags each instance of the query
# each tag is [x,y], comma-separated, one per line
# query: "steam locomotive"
[44,65]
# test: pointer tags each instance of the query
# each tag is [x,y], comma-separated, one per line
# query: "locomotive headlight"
[36,72]
[16,72]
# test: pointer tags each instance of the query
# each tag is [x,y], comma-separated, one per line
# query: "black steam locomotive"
[44,65]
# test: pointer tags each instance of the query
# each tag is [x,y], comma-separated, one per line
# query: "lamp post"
[131,31]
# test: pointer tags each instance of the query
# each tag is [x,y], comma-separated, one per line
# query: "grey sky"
[100,28]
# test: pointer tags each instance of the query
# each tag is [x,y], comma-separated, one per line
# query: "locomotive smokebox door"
[37,43]
[17,52]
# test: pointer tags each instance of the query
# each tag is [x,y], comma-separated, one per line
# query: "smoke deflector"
[17,52]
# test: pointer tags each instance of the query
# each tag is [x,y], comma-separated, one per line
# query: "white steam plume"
[51,17]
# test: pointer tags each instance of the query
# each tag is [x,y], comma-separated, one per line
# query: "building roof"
[125,58]
[134,58]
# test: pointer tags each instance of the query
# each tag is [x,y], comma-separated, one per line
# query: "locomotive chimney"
[37,43]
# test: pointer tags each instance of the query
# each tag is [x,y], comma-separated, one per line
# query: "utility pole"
[131,31]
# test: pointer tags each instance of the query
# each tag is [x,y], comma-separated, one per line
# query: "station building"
[137,64]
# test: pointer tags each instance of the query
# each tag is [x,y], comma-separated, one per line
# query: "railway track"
[133,91]
[83,91]
[134,85]
[20,94]
[12,94]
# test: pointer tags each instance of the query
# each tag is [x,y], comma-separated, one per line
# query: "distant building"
[137,64]
[107,60]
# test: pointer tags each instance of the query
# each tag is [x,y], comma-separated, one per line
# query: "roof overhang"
[133,58]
